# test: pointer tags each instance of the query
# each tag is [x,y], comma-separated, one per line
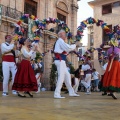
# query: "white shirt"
[6,48]
[104,67]
[36,65]
[39,65]
[95,75]
[85,67]
[26,53]
[61,46]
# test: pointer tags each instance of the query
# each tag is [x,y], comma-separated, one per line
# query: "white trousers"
[38,81]
[6,68]
[75,87]
[63,75]
[87,81]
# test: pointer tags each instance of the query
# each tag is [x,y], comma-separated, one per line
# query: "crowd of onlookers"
[77,77]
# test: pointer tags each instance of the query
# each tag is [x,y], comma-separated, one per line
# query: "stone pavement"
[44,107]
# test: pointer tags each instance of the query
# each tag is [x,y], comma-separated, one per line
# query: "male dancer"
[86,67]
[8,63]
[61,49]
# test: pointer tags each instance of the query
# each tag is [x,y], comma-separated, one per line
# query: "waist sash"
[8,58]
[61,56]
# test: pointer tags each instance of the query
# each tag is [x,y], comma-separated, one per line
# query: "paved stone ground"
[44,107]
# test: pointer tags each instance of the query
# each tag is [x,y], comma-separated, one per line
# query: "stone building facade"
[108,11]
[65,10]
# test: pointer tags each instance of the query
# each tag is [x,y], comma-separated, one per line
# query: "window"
[106,9]
[61,17]
[105,36]
[30,7]
[116,4]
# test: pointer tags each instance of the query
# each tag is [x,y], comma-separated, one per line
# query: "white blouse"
[25,53]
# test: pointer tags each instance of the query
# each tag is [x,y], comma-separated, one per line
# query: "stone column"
[74,8]
[49,42]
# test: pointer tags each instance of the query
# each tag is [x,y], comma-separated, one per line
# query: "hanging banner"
[31,28]
[0,14]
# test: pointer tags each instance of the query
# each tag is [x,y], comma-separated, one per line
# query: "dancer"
[8,63]
[111,77]
[25,80]
[87,68]
[61,49]
[77,74]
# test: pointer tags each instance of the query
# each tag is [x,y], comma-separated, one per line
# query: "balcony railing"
[11,12]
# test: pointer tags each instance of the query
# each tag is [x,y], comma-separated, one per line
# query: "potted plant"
[71,69]
[53,77]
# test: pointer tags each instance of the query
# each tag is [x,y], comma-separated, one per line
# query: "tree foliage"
[53,75]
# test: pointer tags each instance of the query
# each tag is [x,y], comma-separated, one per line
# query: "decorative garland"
[41,25]
[114,33]
[92,21]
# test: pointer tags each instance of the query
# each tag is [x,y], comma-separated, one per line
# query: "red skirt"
[111,79]
[25,78]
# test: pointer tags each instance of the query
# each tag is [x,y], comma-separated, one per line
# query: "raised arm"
[66,47]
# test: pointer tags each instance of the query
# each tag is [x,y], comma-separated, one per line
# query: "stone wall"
[111,19]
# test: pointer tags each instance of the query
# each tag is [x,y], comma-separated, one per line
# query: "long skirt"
[25,79]
[111,79]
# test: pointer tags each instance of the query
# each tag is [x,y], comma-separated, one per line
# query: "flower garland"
[41,25]
[114,33]
[92,21]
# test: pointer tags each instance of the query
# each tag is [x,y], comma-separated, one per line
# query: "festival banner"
[31,28]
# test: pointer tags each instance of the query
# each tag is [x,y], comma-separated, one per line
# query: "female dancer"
[111,79]
[25,80]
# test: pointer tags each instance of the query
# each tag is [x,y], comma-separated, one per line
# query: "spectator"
[96,77]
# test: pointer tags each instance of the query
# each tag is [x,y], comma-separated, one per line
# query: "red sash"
[8,58]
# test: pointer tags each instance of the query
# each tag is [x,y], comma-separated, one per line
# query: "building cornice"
[74,7]
[11,20]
